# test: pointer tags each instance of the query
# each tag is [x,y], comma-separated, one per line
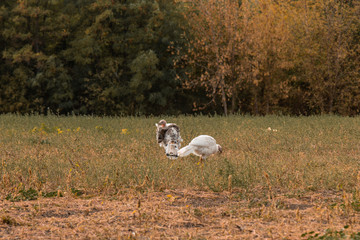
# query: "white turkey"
[202,146]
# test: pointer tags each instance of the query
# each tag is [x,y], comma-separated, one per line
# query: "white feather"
[202,146]
[185,151]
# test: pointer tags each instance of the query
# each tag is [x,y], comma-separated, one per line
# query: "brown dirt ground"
[178,214]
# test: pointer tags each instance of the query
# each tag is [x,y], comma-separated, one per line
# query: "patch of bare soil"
[178,214]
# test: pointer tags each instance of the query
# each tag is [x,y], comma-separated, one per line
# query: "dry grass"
[177,214]
[90,177]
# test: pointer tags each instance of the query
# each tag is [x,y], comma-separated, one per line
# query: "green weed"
[8,220]
[331,235]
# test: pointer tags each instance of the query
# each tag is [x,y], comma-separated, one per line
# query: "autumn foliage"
[265,57]
[298,57]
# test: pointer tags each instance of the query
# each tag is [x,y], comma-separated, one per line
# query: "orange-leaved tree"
[214,48]
[269,52]
[330,54]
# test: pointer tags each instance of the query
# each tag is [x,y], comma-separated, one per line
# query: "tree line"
[141,57]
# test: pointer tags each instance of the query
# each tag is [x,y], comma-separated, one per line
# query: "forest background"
[143,57]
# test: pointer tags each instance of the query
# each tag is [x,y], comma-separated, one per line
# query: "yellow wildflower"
[59,131]
[171,198]
[124,131]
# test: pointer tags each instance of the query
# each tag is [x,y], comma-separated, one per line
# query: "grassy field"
[272,169]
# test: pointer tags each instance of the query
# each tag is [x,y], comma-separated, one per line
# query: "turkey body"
[168,137]
[161,129]
[202,146]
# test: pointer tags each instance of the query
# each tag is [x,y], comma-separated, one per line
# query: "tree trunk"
[233,102]
[233,98]
[223,96]
[256,107]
